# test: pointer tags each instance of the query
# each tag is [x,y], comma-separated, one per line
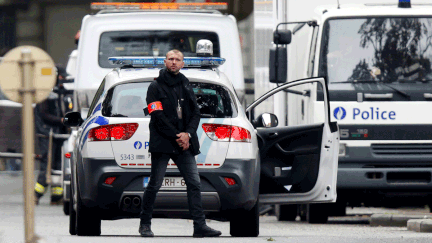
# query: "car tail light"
[230,181]
[219,132]
[68,155]
[110,180]
[239,134]
[113,132]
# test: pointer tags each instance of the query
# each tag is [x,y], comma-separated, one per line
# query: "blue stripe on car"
[98,107]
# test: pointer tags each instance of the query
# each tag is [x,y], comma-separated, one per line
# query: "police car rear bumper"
[217,195]
[362,168]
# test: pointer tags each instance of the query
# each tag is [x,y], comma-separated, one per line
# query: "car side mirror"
[266,120]
[72,119]
[282,37]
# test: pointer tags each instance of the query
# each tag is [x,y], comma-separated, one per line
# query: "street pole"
[27,94]
[28,76]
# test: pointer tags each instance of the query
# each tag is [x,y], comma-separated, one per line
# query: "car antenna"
[338,4]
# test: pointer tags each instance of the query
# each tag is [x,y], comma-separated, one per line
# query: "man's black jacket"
[164,123]
[47,116]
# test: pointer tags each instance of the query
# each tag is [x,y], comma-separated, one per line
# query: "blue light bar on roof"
[159,61]
[404,4]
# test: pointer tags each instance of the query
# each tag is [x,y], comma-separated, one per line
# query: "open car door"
[299,162]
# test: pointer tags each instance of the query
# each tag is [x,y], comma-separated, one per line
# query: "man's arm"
[47,117]
[162,123]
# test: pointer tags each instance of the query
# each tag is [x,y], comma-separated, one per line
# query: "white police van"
[239,159]
[376,59]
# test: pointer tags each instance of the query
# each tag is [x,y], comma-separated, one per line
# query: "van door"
[298,162]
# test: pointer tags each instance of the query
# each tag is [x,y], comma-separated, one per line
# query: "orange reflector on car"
[110,180]
[230,181]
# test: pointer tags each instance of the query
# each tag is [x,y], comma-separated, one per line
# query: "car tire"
[245,223]
[286,212]
[88,223]
[72,215]
[317,213]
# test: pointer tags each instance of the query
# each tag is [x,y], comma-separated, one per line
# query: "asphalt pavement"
[52,225]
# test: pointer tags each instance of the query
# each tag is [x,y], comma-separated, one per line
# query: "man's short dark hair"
[176,52]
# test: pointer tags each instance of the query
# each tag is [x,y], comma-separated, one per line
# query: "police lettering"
[373,114]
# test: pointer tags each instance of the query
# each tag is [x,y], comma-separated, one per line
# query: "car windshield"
[151,43]
[129,100]
[377,49]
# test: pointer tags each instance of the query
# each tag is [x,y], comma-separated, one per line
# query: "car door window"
[300,110]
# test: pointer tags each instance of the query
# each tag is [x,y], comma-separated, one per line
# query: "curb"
[395,220]
[420,225]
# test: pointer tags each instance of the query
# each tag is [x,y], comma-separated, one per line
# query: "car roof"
[125,75]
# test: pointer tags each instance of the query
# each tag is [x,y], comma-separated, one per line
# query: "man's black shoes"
[145,231]
[205,231]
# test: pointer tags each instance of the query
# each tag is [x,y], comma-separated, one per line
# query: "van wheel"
[72,215]
[88,223]
[245,223]
[317,213]
[286,212]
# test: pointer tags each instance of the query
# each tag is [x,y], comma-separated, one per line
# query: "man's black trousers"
[55,163]
[186,164]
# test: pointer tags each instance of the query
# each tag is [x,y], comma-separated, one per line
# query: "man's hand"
[183,140]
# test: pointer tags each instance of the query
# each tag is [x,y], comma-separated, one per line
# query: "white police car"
[111,163]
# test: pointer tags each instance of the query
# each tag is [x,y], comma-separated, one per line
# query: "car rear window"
[129,100]
[151,43]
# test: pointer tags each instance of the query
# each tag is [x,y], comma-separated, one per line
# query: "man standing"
[48,116]
[174,121]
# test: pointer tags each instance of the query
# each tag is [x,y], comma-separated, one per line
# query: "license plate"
[169,183]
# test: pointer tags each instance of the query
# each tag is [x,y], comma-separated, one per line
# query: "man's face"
[174,62]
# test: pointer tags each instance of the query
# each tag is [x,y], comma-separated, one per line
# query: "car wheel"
[66,208]
[245,223]
[317,213]
[88,223]
[72,215]
[286,212]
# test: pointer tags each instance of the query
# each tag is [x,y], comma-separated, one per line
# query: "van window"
[129,100]
[151,43]
[377,49]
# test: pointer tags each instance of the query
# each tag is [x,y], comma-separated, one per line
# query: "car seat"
[208,104]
